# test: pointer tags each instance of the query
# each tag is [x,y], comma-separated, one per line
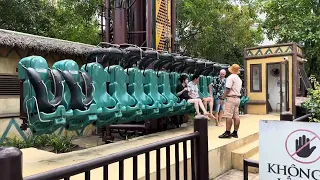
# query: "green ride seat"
[189,75]
[203,87]
[206,84]
[209,80]
[200,86]
[130,108]
[78,95]
[151,89]
[174,81]
[244,100]
[41,100]
[108,110]
[136,89]
[165,90]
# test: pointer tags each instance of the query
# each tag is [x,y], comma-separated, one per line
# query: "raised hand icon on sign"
[303,147]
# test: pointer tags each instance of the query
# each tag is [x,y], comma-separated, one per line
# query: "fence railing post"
[201,148]
[286,116]
[10,163]
[245,170]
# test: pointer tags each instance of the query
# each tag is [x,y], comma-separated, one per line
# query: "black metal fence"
[11,160]
[246,164]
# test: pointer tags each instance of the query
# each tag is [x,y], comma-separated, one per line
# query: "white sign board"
[289,150]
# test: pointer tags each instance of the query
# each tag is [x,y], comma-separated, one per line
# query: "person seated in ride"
[184,93]
[205,100]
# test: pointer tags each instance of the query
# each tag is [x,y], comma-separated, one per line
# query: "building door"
[284,86]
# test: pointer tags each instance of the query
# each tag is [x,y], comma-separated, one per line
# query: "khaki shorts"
[231,108]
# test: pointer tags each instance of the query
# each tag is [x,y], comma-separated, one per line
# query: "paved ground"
[236,175]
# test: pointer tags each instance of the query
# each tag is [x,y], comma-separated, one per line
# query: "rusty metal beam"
[120,22]
[136,32]
[137,21]
[150,17]
[173,25]
[107,21]
[129,126]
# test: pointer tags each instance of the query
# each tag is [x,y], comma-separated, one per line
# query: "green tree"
[295,21]
[313,101]
[74,20]
[217,30]
[32,16]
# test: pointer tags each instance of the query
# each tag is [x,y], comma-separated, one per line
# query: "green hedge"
[312,104]
[54,143]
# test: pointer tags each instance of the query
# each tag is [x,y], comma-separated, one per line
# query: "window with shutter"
[9,85]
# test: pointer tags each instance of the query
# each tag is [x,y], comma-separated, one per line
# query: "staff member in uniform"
[231,107]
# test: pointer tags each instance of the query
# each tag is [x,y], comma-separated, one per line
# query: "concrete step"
[255,157]
[245,152]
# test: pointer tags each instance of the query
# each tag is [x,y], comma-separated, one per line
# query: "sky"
[266,40]
[261,16]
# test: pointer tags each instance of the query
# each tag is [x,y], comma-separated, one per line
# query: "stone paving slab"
[236,175]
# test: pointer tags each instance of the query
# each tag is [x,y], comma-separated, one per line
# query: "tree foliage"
[76,20]
[295,21]
[312,102]
[32,16]
[217,30]
[73,20]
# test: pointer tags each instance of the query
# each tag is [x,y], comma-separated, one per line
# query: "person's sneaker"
[225,135]
[234,134]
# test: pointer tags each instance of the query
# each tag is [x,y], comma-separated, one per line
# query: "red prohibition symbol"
[300,149]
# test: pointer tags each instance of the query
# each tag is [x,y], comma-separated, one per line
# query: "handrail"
[246,164]
[100,162]
[287,116]
[303,118]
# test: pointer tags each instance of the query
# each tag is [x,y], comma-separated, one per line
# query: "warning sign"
[301,145]
[289,150]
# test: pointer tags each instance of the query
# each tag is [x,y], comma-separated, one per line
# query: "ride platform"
[221,152]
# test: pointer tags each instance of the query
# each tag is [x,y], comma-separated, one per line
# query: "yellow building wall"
[163,23]
[256,109]
[261,96]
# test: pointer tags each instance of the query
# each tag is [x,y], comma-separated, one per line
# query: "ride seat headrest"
[133,51]
[41,66]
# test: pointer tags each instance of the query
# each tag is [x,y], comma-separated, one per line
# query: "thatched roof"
[40,43]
